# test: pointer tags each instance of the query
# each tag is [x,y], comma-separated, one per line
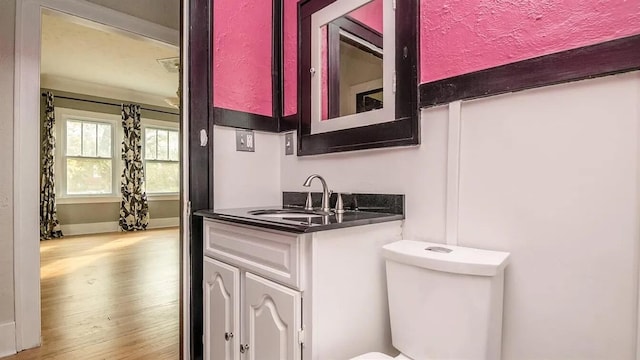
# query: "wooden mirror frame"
[404,130]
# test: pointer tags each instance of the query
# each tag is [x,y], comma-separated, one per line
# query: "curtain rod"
[108,103]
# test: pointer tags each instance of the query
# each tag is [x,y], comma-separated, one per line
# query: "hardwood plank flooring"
[109,296]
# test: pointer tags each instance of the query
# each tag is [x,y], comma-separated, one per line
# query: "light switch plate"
[245,140]
[288,144]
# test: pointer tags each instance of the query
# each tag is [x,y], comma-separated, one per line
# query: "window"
[88,157]
[89,164]
[161,160]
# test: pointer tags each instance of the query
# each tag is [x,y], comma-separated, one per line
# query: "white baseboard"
[7,339]
[112,226]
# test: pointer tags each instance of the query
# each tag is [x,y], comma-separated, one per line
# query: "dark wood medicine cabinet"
[404,129]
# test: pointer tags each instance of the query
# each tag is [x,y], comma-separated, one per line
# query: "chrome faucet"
[325,191]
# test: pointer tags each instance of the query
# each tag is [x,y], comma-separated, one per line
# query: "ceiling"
[105,56]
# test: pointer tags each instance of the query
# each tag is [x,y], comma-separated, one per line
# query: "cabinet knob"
[228,336]
[244,348]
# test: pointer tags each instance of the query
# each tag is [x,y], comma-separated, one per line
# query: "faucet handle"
[308,205]
[339,205]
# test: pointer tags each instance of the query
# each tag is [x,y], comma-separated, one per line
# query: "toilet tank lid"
[447,258]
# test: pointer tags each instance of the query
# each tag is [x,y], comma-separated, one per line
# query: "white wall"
[549,175]
[243,179]
[417,172]
[7,26]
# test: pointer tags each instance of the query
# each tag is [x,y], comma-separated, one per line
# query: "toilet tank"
[445,302]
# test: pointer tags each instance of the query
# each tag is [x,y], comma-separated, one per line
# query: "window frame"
[159,125]
[63,115]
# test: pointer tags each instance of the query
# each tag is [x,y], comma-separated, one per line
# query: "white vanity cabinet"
[271,313]
[221,310]
[272,294]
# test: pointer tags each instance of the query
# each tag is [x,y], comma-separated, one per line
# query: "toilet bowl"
[445,302]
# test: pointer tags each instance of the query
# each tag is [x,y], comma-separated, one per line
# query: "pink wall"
[290,52]
[462,36]
[242,56]
[370,15]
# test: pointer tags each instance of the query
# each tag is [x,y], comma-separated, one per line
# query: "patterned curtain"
[134,209]
[49,224]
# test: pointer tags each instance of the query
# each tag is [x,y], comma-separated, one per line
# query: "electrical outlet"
[288,144]
[245,140]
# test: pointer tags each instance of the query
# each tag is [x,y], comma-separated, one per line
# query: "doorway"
[28,91]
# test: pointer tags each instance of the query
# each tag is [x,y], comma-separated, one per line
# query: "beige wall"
[163,12]
[88,213]
[108,109]
[160,209]
[110,212]
[7,25]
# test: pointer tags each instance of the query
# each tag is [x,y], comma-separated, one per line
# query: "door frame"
[26,154]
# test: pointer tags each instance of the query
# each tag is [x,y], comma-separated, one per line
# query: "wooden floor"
[111,296]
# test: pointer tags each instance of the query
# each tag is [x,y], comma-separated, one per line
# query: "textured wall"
[290,53]
[242,33]
[370,15]
[7,24]
[461,36]
[163,12]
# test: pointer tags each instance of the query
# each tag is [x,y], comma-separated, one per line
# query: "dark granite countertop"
[299,223]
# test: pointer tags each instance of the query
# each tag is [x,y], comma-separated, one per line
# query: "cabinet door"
[272,319]
[221,311]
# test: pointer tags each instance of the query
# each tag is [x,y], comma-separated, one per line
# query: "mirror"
[348,63]
[352,62]
[357,75]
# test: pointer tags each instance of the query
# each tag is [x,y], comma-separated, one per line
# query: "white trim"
[158,125]
[27,150]
[112,199]
[113,226]
[7,339]
[26,175]
[62,116]
[637,344]
[163,197]
[87,200]
[387,113]
[453,173]
[186,216]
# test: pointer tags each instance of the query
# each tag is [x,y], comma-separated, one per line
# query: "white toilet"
[445,302]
